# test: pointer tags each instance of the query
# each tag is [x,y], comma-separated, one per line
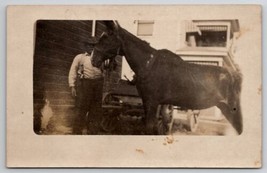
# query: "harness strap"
[144,73]
[150,61]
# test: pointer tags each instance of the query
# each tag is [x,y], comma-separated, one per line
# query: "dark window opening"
[207,37]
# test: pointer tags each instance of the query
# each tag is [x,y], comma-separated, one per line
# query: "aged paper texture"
[220,31]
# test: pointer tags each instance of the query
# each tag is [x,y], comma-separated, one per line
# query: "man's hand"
[73,92]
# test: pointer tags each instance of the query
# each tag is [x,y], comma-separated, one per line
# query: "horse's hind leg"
[232,112]
[156,122]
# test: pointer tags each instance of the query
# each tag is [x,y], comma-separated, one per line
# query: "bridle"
[107,58]
[104,53]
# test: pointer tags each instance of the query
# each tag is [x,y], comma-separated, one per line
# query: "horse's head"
[109,44]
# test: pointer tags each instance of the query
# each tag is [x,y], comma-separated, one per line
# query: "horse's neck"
[136,51]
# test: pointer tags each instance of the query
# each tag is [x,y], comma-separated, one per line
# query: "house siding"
[57,43]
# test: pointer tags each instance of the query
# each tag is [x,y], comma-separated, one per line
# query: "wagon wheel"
[109,123]
[161,128]
[167,113]
[192,117]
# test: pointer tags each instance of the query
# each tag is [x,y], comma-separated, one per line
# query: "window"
[210,33]
[208,36]
[145,27]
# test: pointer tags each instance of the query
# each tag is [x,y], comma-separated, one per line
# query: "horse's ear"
[103,35]
[117,25]
[112,26]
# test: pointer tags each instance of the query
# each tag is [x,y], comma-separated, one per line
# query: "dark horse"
[162,77]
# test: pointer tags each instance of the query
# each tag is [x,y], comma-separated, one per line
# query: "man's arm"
[73,75]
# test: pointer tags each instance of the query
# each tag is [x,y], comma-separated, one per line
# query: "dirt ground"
[126,125]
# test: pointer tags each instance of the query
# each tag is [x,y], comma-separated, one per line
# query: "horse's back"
[168,56]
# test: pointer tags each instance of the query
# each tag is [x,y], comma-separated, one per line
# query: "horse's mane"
[140,43]
[164,55]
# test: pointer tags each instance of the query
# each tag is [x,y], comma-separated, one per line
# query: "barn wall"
[57,43]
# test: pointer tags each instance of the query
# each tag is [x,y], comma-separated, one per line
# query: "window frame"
[145,22]
[198,23]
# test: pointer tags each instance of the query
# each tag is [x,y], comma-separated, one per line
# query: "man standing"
[86,83]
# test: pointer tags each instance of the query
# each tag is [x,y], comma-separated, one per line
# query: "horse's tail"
[237,79]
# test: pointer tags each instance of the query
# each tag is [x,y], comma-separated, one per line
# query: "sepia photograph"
[97,78]
[155,79]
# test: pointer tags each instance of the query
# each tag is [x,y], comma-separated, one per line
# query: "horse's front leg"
[151,109]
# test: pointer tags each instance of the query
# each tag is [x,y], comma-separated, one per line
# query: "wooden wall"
[57,43]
